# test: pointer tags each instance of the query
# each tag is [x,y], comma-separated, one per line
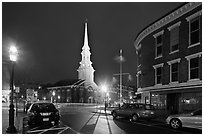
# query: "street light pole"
[11,128]
[121,58]
[13,57]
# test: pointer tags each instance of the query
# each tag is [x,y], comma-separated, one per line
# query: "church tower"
[85,70]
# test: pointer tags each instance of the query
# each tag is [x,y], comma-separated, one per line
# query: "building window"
[193,66]
[194,31]
[158,73]
[174,37]
[158,44]
[174,70]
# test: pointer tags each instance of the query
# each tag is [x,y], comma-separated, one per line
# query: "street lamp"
[58,98]
[121,59]
[53,95]
[13,57]
[104,89]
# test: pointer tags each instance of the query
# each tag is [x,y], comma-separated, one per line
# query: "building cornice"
[165,20]
[197,83]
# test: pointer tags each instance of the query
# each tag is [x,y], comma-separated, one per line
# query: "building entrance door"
[173,102]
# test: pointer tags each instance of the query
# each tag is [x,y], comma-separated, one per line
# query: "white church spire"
[85,70]
[86,36]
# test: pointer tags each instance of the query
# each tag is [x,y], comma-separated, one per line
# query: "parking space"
[47,128]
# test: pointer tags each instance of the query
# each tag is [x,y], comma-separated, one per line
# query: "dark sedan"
[43,112]
[135,111]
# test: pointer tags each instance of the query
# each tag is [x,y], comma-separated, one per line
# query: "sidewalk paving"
[18,121]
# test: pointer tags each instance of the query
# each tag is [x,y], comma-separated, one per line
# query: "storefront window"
[158,101]
[191,101]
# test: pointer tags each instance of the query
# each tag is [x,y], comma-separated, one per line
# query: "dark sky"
[49,36]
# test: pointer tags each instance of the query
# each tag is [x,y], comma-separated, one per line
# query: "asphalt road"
[90,120]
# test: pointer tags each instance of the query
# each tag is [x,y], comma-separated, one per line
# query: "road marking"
[63,130]
[47,130]
[72,129]
[52,128]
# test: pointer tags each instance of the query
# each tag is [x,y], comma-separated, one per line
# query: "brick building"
[169,62]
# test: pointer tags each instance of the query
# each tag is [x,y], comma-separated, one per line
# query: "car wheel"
[175,123]
[114,114]
[135,117]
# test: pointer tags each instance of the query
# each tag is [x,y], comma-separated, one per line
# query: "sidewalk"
[18,121]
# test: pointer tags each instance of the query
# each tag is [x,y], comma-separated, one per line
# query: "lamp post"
[58,99]
[120,90]
[104,89]
[13,57]
[53,95]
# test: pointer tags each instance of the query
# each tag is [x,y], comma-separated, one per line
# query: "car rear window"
[43,106]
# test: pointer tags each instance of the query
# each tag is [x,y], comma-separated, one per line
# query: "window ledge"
[157,85]
[173,83]
[196,44]
[158,57]
[193,80]
[174,52]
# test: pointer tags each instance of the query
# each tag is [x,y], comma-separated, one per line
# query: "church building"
[81,90]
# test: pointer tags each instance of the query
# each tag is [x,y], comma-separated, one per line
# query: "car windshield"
[43,106]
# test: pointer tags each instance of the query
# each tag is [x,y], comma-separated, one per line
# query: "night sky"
[49,36]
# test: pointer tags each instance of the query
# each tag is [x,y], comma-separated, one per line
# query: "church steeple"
[85,70]
[86,35]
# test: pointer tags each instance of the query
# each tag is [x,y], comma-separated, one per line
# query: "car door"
[121,110]
[196,119]
[193,120]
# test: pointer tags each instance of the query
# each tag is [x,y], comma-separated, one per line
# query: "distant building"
[169,62]
[70,91]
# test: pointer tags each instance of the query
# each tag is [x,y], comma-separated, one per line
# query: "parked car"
[43,112]
[191,120]
[135,111]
